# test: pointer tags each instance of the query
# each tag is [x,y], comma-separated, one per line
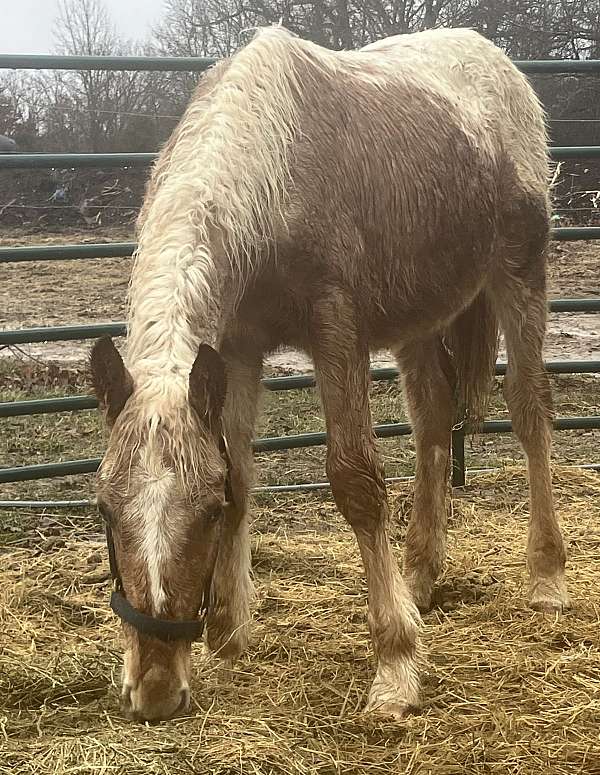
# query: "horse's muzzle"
[158,696]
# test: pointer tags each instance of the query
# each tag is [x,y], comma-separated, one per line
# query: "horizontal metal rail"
[575,233]
[561,367]
[58,62]
[49,470]
[61,333]
[299,381]
[562,153]
[273,444]
[58,505]
[94,330]
[10,255]
[558,66]
[103,160]
[574,305]
[11,161]
[560,424]
[14,255]
[47,406]
[260,490]
[195,64]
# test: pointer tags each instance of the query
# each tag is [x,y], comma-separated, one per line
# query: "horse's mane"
[223,172]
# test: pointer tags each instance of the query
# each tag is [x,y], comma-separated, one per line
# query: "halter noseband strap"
[167,630]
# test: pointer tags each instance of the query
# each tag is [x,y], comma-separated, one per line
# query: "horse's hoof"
[395,690]
[550,605]
[392,710]
[549,595]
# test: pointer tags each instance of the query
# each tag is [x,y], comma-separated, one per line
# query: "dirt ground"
[65,292]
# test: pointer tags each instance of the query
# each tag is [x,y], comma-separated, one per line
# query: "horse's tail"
[472,342]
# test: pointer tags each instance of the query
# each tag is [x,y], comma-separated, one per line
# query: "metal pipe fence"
[94,330]
[126,249]
[198,64]
[261,489]
[282,443]
[127,160]
[98,250]
[275,384]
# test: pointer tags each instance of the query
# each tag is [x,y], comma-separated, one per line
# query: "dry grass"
[507,690]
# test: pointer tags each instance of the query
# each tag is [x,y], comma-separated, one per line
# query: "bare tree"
[217,28]
[22,109]
[107,111]
[106,105]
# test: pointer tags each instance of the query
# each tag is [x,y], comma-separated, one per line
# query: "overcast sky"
[26,25]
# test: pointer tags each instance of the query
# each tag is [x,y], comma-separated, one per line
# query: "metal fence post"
[458,456]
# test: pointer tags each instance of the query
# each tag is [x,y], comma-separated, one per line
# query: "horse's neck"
[175,303]
[216,197]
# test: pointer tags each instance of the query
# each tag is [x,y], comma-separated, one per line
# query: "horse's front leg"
[357,480]
[232,589]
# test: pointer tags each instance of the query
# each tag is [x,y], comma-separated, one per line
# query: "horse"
[337,202]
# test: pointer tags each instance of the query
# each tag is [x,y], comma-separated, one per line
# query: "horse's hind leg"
[520,298]
[356,474]
[427,378]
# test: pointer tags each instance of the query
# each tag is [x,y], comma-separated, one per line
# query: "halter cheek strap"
[166,630]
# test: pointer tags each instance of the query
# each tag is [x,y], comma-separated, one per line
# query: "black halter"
[166,630]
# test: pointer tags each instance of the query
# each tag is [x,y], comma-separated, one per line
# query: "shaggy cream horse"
[336,202]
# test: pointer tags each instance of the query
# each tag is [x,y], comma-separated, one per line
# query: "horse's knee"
[358,485]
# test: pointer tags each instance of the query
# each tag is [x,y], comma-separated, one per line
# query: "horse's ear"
[208,386]
[111,380]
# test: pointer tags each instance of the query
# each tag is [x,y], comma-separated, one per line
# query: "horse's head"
[162,489]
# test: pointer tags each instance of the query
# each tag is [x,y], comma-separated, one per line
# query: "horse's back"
[390,156]
[402,168]
[489,85]
[441,118]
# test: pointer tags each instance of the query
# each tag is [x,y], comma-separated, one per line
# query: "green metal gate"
[87,251]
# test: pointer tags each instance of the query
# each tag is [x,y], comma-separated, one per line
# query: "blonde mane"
[215,194]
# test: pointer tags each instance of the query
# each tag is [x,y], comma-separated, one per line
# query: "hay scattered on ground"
[507,690]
